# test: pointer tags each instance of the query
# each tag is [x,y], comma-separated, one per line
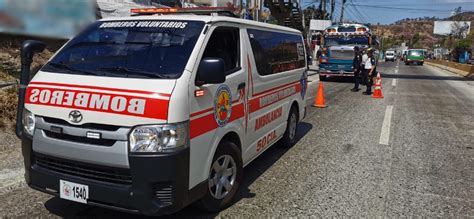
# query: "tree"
[457,14]
[459,29]
[465,43]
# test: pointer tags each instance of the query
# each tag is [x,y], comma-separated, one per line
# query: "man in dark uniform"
[369,71]
[356,65]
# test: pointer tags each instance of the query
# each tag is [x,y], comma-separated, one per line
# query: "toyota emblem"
[75,116]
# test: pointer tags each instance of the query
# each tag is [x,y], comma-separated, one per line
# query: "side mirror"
[28,50]
[210,71]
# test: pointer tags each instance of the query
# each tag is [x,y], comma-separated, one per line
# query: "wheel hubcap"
[222,177]
[292,127]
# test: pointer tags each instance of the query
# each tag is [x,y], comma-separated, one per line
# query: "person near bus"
[369,71]
[356,64]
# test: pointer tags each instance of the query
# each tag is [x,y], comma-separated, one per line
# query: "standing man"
[356,65]
[369,71]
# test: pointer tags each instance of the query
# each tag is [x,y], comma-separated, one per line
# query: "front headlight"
[158,138]
[29,122]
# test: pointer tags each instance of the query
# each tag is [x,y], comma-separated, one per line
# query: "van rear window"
[415,53]
[144,49]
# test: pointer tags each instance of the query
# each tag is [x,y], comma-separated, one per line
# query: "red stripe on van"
[208,123]
[100,88]
[275,88]
[201,112]
[259,103]
[255,98]
[98,102]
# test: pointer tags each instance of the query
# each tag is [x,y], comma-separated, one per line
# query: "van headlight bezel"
[28,122]
[160,138]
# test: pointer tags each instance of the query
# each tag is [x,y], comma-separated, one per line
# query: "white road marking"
[394,82]
[396,71]
[387,120]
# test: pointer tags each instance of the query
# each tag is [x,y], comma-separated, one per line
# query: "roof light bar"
[194,10]
[152,10]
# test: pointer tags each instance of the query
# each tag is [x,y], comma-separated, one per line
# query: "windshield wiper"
[71,69]
[130,71]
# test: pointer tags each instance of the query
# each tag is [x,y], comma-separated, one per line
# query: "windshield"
[346,40]
[415,53]
[150,49]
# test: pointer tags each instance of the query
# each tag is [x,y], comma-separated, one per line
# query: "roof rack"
[223,11]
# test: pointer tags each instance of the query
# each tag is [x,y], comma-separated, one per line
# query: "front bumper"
[336,73]
[414,61]
[158,183]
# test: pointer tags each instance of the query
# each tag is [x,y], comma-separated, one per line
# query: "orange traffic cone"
[319,101]
[378,87]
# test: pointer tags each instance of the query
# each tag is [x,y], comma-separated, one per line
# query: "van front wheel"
[289,137]
[225,176]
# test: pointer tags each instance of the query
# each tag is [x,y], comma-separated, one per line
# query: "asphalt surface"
[408,154]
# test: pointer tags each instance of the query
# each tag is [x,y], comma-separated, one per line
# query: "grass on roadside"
[5,77]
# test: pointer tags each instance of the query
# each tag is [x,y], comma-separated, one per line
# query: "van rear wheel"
[225,177]
[289,137]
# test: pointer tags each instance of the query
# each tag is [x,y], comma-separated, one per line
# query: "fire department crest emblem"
[222,105]
[67,190]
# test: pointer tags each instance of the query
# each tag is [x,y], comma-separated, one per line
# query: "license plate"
[73,191]
[341,66]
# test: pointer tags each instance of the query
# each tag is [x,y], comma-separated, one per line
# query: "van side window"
[225,44]
[276,52]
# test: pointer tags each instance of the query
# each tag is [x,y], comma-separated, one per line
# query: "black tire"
[322,78]
[289,138]
[209,202]
[421,63]
[406,63]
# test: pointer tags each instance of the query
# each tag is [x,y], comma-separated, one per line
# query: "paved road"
[409,154]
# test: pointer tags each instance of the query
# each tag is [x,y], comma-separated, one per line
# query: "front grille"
[94,126]
[164,193]
[342,54]
[79,139]
[89,171]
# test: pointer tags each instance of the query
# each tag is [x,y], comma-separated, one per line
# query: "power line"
[399,8]
[353,15]
[361,16]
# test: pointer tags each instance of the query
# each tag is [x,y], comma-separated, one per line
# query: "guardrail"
[465,70]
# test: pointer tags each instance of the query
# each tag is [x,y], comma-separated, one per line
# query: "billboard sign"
[45,18]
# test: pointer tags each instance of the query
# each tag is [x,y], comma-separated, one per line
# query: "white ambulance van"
[150,113]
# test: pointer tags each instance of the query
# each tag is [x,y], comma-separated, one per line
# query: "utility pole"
[333,5]
[323,9]
[342,11]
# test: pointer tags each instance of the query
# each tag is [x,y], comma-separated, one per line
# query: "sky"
[389,11]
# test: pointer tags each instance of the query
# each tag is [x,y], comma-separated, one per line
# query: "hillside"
[416,32]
